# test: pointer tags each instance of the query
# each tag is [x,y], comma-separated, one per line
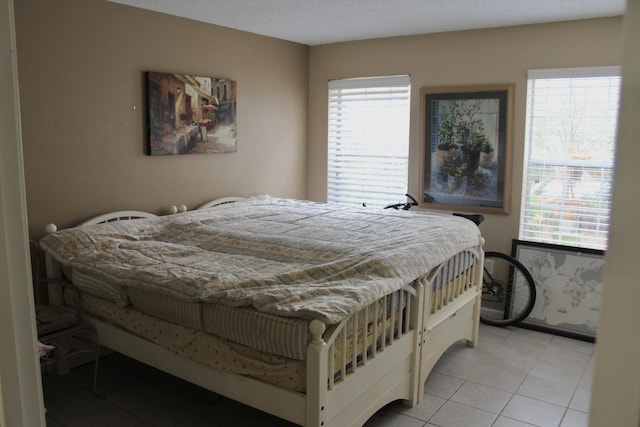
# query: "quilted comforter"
[286,257]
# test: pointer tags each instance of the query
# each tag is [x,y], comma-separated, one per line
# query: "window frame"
[572,224]
[355,146]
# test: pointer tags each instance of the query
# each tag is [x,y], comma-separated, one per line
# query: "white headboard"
[220,201]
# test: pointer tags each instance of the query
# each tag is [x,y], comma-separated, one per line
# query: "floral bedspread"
[287,257]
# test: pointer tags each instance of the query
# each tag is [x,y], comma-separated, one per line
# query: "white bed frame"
[396,369]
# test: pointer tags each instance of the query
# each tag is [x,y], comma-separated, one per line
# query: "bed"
[318,314]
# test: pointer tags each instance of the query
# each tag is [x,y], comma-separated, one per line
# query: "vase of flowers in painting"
[471,157]
[486,155]
[446,151]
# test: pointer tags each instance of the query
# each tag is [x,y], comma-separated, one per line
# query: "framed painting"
[190,114]
[568,288]
[466,138]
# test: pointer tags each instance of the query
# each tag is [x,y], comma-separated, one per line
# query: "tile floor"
[514,377]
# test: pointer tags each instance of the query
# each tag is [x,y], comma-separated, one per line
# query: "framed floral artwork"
[466,138]
[568,287]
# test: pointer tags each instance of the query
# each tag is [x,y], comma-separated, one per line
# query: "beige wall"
[616,386]
[493,56]
[81,65]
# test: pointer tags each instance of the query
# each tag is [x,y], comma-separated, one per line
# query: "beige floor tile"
[503,378]
[393,419]
[453,414]
[559,371]
[547,390]
[442,385]
[424,410]
[563,354]
[572,344]
[575,419]
[534,411]
[482,397]
[508,422]
[456,366]
[581,400]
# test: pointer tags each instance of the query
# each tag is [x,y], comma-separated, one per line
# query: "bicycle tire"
[508,290]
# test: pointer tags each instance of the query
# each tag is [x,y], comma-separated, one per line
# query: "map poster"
[568,285]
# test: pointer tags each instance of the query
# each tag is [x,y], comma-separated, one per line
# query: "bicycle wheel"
[508,290]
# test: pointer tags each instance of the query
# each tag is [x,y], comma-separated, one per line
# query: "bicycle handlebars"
[404,206]
[475,218]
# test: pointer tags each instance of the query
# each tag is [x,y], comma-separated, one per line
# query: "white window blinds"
[569,155]
[368,143]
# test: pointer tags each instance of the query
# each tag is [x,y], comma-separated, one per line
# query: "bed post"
[423,371]
[55,292]
[418,323]
[477,282]
[317,376]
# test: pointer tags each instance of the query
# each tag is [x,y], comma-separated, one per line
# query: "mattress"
[98,287]
[199,346]
[162,306]
[288,258]
[220,353]
[266,332]
[283,336]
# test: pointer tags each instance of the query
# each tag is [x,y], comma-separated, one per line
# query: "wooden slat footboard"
[346,384]
[366,361]
[451,307]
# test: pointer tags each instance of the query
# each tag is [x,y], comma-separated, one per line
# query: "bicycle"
[508,289]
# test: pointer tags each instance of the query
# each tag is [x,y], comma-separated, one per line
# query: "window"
[569,155]
[368,140]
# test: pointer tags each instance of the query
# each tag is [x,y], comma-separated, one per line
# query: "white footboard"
[451,307]
[346,387]
[365,362]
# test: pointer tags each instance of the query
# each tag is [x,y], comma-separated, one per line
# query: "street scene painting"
[466,133]
[190,114]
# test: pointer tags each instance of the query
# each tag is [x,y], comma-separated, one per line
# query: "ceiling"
[315,22]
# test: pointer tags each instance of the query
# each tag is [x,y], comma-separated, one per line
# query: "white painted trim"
[615,399]
[556,73]
[21,402]
[362,82]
